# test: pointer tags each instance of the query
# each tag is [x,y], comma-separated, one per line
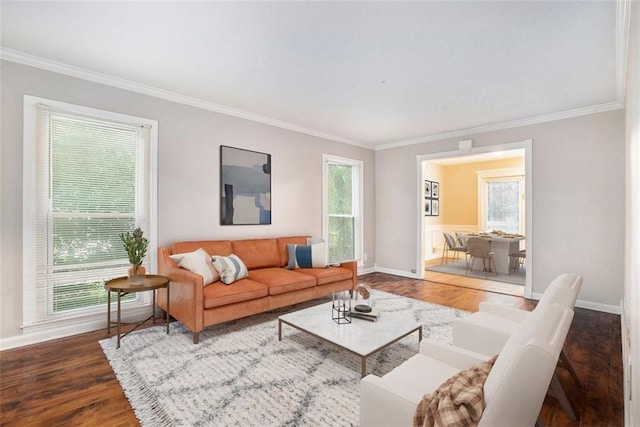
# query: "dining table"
[502,246]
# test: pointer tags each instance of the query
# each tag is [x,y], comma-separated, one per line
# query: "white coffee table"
[360,337]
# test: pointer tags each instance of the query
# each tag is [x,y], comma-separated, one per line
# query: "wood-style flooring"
[69,382]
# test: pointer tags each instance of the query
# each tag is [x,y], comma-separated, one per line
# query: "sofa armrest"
[353,266]
[452,355]
[187,296]
[511,313]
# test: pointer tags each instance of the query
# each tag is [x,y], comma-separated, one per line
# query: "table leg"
[363,372]
[279,330]
[108,312]
[420,334]
[168,299]
[118,327]
[153,308]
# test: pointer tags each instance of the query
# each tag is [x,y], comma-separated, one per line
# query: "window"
[501,200]
[342,207]
[87,178]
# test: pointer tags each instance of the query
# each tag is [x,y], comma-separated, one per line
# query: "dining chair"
[461,239]
[480,248]
[516,260]
[451,245]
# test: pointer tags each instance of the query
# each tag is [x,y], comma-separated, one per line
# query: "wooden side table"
[122,287]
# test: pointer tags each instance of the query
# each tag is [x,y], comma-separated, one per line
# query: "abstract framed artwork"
[245,187]
[427,207]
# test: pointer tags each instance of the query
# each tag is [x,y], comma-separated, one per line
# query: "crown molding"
[81,73]
[615,105]
[623,17]
[622,38]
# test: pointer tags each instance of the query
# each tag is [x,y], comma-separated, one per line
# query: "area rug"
[240,374]
[459,267]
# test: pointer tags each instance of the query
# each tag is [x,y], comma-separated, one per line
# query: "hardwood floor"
[471,282]
[69,382]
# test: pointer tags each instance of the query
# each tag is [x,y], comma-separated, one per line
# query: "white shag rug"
[240,374]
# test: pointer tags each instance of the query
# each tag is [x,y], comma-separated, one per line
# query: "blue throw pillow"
[307,256]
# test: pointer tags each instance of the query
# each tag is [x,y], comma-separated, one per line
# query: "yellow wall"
[459,190]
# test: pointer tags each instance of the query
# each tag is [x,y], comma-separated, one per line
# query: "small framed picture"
[435,207]
[427,189]
[435,190]
[427,207]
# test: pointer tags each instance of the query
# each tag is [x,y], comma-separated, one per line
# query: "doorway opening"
[485,189]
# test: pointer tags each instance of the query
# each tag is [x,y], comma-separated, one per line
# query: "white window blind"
[343,208]
[91,182]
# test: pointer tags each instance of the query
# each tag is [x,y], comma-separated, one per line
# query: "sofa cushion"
[328,275]
[230,268]
[257,253]
[213,247]
[217,294]
[280,280]
[282,247]
[199,262]
[307,256]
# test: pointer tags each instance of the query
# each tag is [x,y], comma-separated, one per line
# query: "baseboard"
[366,271]
[56,332]
[397,272]
[589,305]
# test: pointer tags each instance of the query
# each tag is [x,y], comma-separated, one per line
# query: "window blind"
[91,184]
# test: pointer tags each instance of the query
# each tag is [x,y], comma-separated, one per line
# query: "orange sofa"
[270,284]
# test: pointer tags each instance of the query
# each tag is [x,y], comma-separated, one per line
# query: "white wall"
[188,177]
[578,202]
[631,320]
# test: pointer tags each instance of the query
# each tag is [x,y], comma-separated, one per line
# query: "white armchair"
[514,389]
[487,330]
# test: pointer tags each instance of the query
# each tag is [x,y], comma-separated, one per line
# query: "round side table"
[122,287]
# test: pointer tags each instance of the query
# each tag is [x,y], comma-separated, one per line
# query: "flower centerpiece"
[136,247]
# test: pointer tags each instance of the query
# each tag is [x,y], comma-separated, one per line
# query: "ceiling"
[374,74]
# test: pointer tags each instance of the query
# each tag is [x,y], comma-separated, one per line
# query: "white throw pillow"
[199,262]
[230,268]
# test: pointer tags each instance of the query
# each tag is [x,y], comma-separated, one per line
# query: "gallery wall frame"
[431,198]
[245,187]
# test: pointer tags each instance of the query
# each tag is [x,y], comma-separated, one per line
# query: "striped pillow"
[230,268]
[307,256]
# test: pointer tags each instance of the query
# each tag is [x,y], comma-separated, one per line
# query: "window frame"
[88,315]
[357,202]
[503,174]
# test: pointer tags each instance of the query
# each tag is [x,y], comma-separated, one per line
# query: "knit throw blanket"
[458,402]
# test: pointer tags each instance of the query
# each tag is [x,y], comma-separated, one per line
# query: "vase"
[136,274]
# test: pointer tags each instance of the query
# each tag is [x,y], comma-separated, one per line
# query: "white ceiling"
[368,73]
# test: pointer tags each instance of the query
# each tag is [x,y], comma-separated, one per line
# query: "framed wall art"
[245,187]
[435,190]
[435,207]
[431,198]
